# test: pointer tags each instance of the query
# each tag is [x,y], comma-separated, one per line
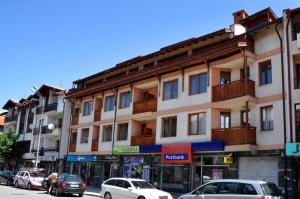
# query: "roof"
[293,11]
[10,104]
[161,51]
[257,14]
[44,90]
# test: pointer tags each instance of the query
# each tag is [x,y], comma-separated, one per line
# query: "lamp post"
[35,90]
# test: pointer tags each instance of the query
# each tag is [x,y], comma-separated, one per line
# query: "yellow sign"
[228,160]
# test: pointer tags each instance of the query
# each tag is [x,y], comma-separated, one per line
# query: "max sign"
[177,153]
[292,149]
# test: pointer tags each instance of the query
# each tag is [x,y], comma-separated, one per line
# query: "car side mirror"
[130,188]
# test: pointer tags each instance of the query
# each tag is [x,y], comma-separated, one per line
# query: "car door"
[20,179]
[117,191]
[208,191]
[125,192]
[26,178]
[247,191]
[228,190]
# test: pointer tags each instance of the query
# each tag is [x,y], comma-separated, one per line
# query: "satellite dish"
[51,126]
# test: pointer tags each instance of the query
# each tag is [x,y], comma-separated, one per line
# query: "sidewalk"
[92,191]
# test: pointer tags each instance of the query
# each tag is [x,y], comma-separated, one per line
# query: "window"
[126,184]
[197,123]
[198,84]
[119,183]
[246,189]
[170,90]
[297,116]
[225,119]
[228,188]
[243,117]
[265,72]
[87,108]
[225,77]
[122,131]
[211,188]
[266,118]
[297,80]
[110,182]
[74,138]
[169,127]
[107,133]
[125,99]
[84,136]
[109,103]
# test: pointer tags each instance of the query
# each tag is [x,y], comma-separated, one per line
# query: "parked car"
[7,177]
[67,183]
[239,189]
[125,188]
[30,179]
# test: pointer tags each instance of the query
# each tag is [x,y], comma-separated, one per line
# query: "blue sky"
[59,41]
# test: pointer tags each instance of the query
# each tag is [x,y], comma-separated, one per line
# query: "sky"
[59,41]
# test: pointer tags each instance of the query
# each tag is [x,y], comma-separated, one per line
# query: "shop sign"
[110,157]
[177,153]
[292,149]
[228,160]
[81,158]
[126,149]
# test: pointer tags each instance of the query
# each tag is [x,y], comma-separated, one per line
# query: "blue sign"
[176,156]
[81,158]
[292,149]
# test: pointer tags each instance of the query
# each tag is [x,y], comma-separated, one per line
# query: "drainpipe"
[284,112]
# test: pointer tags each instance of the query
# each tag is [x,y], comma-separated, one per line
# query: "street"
[8,192]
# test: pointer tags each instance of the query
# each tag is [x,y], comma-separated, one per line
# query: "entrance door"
[225,120]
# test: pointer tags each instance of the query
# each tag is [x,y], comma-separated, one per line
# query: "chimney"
[239,15]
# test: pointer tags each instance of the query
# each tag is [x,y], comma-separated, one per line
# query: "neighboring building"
[41,113]
[175,114]
[2,118]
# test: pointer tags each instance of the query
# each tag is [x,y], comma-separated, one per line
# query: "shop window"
[84,136]
[198,84]
[266,118]
[125,99]
[225,77]
[197,123]
[170,90]
[107,133]
[169,126]
[87,108]
[265,72]
[109,103]
[122,131]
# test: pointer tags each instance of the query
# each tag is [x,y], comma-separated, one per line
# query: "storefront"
[93,169]
[293,152]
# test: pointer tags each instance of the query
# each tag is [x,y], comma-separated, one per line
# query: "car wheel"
[80,194]
[29,186]
[107,196]
[16,184]
[141,197]
[57,193]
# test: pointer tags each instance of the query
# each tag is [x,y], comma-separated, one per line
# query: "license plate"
[74,185]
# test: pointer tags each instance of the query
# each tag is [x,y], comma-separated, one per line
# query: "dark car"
[71,184]
[7,177]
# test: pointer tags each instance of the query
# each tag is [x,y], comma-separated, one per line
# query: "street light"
[35,90]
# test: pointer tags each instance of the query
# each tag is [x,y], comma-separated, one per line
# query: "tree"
[11,150]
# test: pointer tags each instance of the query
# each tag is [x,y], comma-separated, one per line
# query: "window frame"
[261,118]
[199,83]
[84,108]
[124,94]
[172,86]
[84,130]
[261,66]
[118,133]
[103,133]
[112,103]
[170,126]
[229,114]
[189,123]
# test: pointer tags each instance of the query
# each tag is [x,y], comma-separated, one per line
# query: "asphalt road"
[7,192]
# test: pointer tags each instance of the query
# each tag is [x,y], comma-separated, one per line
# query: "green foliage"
[11,151]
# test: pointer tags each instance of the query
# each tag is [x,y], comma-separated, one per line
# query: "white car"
[29,179]
[237,189]
[129,188]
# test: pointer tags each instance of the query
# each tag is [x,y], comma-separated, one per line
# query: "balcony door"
[225,77]
[225,119]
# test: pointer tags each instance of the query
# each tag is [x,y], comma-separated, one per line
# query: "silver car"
[235,189]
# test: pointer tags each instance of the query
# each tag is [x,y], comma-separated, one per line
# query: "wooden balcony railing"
[72,147]
[95,144]
[233,90]
[235,135]
[140,139]
[47,108]
[145,106]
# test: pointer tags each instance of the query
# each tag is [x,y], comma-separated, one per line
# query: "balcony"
[47,149]
[147,105]
[47,108]
[233,90]
[72,147]
[235,135]
[95,144]
[146,138]
[11,119]
[44,130]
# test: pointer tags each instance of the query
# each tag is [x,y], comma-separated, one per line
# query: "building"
[39,121]
[2,118]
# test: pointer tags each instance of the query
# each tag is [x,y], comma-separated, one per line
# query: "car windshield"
[270,189]
[142,185]
[72,178]
[36,174]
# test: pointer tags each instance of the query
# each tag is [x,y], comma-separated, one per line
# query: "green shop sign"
[126,149]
